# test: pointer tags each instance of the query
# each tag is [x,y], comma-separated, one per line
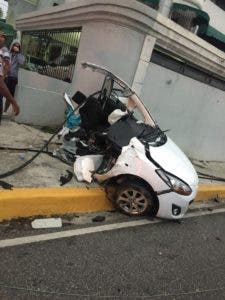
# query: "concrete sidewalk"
[37,190]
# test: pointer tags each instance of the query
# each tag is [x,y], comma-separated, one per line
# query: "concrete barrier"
[28,202]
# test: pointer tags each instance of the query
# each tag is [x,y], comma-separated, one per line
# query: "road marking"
[95,229]
[204,213]
[70,233]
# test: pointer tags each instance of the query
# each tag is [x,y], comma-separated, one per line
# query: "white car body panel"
[174,161]
[133,161]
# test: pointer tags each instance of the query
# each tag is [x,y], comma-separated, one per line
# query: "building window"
[179,65]
[189,17]
[51,52]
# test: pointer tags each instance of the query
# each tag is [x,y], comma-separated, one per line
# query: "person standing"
[16,59]
[4,91]
[6,64]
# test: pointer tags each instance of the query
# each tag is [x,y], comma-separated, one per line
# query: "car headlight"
[176,184]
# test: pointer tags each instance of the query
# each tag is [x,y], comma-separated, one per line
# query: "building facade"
[171,52]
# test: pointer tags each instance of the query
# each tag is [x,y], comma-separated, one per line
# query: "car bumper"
[173,205]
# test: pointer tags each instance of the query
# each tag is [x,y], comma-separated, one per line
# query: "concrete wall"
[48,3]
[17,8]
[193,111]
[113,35]
[41,99]
[115,47]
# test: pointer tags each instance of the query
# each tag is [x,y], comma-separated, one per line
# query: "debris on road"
[47,223]
[85,166]
[98,219]
[65,179]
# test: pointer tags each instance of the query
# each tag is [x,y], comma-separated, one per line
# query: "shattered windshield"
[125,112]
[113,86]
[123,95]
[128,98]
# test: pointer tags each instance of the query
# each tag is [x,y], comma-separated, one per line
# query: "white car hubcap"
[132,201]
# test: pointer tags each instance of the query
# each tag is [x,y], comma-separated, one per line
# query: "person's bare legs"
[6,93]
[7,104]
[1,108]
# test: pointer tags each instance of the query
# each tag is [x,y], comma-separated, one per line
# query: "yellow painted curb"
[49,201]
[209,192]
[55,201]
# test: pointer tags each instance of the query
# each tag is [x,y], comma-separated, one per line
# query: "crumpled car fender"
[133,161]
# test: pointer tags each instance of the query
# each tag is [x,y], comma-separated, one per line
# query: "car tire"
[134,199]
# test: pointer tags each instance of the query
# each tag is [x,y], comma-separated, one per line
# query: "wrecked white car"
[117,142]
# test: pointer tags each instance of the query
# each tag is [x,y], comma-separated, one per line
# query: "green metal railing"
[52,52]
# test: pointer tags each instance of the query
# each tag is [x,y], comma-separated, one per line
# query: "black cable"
[49,153]
[210,177]
[11,172]
[23,149]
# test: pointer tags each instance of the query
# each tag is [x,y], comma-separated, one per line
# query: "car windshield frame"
[134,101]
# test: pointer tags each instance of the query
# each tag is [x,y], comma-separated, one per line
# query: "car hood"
[170,157]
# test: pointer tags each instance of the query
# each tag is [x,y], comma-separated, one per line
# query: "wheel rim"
[132,202]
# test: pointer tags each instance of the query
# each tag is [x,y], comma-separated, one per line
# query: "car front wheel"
[134,199]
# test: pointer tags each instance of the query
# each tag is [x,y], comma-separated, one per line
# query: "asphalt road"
[159,261]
